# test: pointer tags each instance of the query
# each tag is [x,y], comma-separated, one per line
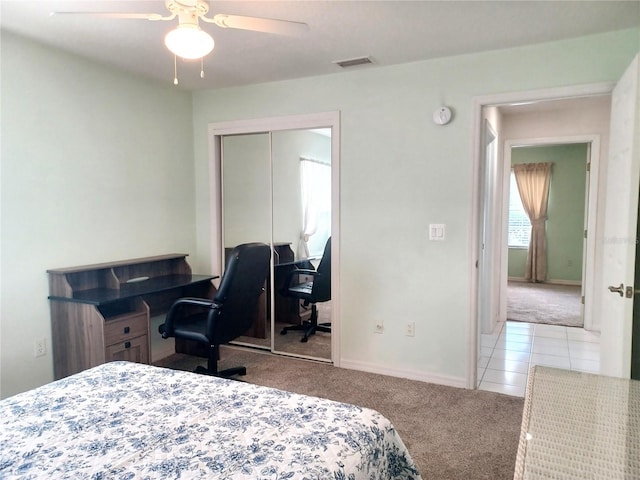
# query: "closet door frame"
[218,130]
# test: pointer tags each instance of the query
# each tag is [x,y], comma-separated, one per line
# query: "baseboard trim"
[449,381]
[572,283]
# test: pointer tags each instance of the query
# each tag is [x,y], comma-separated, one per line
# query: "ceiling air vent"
[353,62]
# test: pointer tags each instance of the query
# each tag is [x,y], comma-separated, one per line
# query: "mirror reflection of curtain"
[315,181]
[533,181]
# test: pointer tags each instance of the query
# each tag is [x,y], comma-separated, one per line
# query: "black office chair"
[316,291]
[231,312]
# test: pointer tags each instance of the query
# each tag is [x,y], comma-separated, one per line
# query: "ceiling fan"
[188,40]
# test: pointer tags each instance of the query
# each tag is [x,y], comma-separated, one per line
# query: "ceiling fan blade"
[134,16]
[266,25]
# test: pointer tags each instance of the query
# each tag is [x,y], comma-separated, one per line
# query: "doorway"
[556,299]
[536,104]
[256,167]
[615,258]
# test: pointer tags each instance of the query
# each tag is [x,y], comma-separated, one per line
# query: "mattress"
[126,420]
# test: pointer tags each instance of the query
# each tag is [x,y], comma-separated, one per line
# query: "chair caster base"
[230,372]
[203,371]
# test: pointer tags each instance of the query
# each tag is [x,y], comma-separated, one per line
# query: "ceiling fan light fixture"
[189,41]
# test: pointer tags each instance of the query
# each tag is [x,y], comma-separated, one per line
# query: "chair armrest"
[167,328]
[292,273]
[201,302]
[302,271]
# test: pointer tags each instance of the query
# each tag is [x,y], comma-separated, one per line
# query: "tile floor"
[507,354]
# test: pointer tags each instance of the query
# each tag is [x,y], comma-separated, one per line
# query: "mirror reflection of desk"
[287,309]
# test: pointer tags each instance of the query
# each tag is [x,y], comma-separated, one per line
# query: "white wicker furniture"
[579,426]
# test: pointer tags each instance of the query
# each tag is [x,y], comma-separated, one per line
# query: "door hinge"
[588,166]
[585,234]
[582,300]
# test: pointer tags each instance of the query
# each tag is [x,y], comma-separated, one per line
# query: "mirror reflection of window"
[315,182]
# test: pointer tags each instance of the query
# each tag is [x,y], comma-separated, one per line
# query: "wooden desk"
[101,312]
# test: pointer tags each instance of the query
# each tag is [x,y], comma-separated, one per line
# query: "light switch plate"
[436,231]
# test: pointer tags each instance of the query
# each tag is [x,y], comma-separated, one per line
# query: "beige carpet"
[544,303]
[451,433]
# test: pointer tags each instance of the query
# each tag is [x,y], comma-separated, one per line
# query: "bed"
[126,420]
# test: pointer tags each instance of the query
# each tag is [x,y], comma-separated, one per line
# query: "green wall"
[97,166]
[565,211]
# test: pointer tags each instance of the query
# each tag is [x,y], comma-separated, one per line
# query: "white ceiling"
[390,32]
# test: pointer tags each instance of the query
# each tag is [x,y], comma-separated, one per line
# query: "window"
[519,224]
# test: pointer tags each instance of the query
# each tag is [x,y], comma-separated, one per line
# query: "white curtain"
[533,181]
[315,181]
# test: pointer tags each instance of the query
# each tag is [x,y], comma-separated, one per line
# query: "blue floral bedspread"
[126,420]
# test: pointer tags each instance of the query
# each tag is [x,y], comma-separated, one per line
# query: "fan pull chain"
[175,70]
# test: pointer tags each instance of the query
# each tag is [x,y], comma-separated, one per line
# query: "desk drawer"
[133,350]
[124,328]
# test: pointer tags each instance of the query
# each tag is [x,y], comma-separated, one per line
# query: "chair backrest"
[321,291]
[241,286]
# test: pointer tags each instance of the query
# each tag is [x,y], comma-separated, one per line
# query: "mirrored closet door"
[301,167]
[276,189]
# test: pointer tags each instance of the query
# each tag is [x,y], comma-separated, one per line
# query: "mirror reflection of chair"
[315,291]
[231,312]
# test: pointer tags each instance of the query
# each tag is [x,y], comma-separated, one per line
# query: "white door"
[620,222]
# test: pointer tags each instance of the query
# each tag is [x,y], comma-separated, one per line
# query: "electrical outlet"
[378,328]
[410,329]
[40,347]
